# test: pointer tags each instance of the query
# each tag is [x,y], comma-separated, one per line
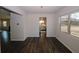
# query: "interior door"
[4,29]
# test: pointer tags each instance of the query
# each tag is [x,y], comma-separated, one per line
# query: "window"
[64,23]
[70,24]
[5,23]
[74,18]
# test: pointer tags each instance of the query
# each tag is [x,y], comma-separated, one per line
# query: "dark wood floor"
[37,45]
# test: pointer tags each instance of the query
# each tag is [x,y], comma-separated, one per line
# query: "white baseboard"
[17,39]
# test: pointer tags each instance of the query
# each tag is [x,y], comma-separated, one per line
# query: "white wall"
[68,40]
[17,31]
[31,25]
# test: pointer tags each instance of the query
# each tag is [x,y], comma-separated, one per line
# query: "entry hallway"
[37,45]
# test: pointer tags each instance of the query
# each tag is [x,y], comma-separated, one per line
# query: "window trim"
[60,24]
[69,24]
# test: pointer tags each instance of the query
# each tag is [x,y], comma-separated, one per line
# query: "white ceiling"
[38,9]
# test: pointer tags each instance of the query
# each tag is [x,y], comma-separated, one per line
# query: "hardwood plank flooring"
[38,45]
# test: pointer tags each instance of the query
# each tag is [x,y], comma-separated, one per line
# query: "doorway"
[43,27]
[4,29]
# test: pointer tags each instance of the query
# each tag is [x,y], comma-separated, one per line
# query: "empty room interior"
[39,29]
